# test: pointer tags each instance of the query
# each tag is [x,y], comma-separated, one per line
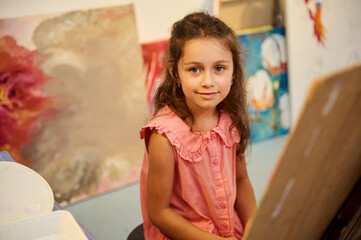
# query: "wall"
[154,18]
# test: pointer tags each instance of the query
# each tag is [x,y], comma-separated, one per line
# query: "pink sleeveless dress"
[204,190]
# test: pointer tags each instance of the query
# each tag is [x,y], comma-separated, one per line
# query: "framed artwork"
[72,98]
[265,64]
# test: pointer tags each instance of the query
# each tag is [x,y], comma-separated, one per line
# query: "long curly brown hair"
[202,25]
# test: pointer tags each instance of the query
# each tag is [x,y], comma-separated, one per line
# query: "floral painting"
[264,54]
[72,98]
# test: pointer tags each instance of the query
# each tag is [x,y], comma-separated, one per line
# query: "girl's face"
[205,72]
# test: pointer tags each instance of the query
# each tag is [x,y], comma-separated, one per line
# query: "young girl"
[194,182]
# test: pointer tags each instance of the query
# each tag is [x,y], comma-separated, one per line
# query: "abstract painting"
[72,98]
[153,56]
[264,54]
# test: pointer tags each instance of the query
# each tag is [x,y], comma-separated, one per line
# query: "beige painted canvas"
[72,98]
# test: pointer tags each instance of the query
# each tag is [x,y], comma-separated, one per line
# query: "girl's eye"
[194,70]
[219,68]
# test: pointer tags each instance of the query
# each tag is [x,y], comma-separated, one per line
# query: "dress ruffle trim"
[189,145]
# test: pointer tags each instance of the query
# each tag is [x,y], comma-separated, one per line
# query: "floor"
[115,214]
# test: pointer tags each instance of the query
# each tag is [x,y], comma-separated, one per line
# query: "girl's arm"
[159,189]
[245,199]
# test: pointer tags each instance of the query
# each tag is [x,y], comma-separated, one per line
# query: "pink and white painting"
[72,98]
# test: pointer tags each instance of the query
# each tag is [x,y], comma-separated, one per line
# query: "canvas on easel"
[319,166]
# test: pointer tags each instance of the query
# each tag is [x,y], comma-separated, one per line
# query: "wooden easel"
[319,166]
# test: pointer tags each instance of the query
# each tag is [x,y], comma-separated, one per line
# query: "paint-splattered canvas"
[314,9]
[72,98]
[266,79]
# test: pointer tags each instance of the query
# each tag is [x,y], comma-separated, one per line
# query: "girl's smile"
[207,95]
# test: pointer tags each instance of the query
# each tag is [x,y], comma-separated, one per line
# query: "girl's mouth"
[207,95]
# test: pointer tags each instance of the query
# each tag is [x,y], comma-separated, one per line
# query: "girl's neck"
[204,121]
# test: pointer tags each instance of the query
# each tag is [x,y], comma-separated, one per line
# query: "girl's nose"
[207,79]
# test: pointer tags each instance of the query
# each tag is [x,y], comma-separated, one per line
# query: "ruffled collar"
[190,144]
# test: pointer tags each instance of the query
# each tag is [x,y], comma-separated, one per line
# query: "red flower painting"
[72,98]
[21,97]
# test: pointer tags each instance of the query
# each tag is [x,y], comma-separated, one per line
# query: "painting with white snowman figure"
[265,65]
